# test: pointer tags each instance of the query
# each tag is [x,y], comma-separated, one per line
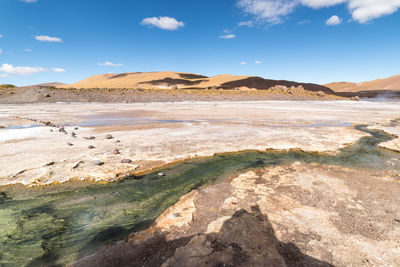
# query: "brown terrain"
[166,87]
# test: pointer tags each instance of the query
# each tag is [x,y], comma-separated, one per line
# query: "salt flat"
[152,134]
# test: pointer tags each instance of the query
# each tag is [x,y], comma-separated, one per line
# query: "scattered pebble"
[76,128]
[69,144]
[98,162]
[126,161]
[91,147]
[46,95]
[161,174]
[89,138]
[116,151]
[109,136]
[73,134]
[49,163]
[117,141]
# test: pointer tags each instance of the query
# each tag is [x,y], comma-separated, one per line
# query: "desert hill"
[178,80]
[391,83]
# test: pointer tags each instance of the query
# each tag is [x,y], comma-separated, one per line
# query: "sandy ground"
[152,134]
[294,215]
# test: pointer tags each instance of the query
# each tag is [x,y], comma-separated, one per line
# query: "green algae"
[57,224]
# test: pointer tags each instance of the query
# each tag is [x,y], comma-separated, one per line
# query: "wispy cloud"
[306,21]
[1,36]
[165,23]
[28,50]
[228,36]
[257,62]
[110,64]
[18,70]
[46,38]
[246,23]
[58,70]
[334,20]
[243,63]
[1,51]
[275,11]
[29,1]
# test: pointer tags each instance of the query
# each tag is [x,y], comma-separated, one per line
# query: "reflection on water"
[57,224]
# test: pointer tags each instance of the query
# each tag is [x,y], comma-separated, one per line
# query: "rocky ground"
[20,95]
[295,215]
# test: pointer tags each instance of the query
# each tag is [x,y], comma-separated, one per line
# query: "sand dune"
[391,83]
[178,80]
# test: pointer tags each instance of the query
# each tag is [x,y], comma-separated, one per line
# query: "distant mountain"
[391,83]
[52,84]
[179,80]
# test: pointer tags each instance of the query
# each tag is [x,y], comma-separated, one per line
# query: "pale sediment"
[159,133]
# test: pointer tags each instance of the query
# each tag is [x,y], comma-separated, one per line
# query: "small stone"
[161,174]
[116,152]
[117,141]
[126,161]
[46,95]
[89,138]
[91,147]
[76,128]
[98,162]
[109,136]
[73,134]
[69,144]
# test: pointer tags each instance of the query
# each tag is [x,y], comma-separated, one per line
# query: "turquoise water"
[57,224]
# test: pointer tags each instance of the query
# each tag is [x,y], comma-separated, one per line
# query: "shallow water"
[57,224]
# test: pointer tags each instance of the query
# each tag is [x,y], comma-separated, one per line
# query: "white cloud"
[257,62]
[366,10]
[246,23]
[275,11]
[29,1]
[45,38]
[110,64]
[1,51]
[1,36]
[270,11]
[322,3]
[28,50]
[10,69]
[165,23]
[243,63]
[306,21]
[228,36]
[3,75]
[334,20]
[58,70]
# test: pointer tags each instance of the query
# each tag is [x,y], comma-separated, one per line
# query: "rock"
[109,136]
[355,98]
[161,174]
[73,134]
[77,165]
[50,163]
[117,141]
[76,128]
[116,152]
[61,129]
[46,95]
[89,138]
[98,162]
[126,161]
[321,94]
[69,144]
[91,147]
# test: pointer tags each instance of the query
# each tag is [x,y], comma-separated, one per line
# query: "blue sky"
[303,40]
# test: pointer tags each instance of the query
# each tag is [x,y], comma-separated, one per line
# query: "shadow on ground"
[246,239]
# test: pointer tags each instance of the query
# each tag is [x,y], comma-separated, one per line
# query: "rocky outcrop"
[294,215]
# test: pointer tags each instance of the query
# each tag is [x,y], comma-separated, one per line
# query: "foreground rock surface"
[293,215]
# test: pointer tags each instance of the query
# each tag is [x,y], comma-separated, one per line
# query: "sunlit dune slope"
[179,80]
[391,83]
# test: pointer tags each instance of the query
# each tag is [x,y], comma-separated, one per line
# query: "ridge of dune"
[390,83]
[181,80]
